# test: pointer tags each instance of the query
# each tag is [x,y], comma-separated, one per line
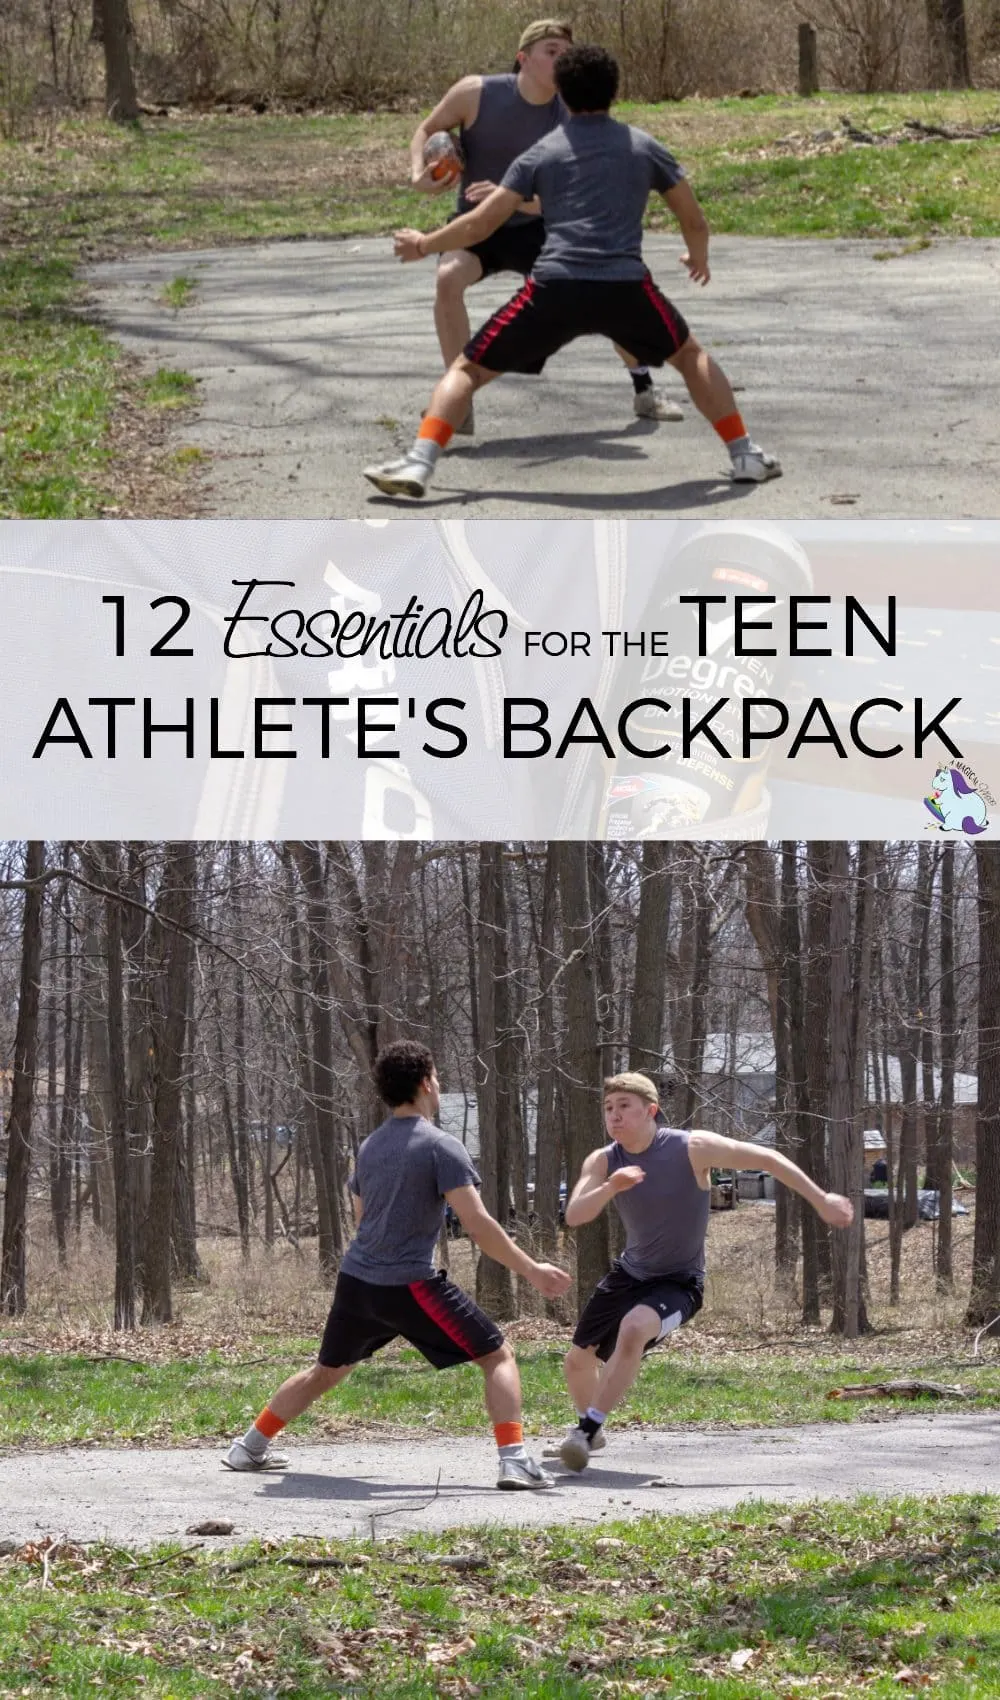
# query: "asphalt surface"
[138,1496]
[874,380]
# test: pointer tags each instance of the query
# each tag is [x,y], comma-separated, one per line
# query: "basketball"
[444,157]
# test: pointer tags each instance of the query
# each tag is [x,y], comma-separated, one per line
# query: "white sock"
[255,1442]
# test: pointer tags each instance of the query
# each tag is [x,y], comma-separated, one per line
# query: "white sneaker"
[650,404]
[753,466]
[576,1449]
[523,1473]
[240,1458]
[402,477]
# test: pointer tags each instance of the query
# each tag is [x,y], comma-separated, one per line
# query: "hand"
[550,1280]
[477,192]
[406,245]
[697,269]
[425,184]
[624,1179]
[839,1212]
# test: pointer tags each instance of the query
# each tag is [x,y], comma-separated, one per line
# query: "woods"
[186,1035]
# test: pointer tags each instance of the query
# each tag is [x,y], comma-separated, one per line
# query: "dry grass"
[280,1295]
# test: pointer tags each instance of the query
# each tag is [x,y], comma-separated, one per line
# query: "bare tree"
[582,1052]
[13,1254]
[984,1299]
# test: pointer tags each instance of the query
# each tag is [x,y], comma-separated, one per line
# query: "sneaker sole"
[748,478]
[673,417]
[254,1469]
[525,1487]
[574,1457]
[396,486]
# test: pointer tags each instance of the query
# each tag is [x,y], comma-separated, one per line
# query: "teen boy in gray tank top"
[660,1180]
[505,125]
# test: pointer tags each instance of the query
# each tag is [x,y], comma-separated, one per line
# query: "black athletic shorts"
[543,317]
[434,1315]
[512,248]
[675,1298]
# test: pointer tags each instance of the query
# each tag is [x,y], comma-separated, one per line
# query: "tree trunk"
[949,1042]
[173,953]
[583,1055]
[119,1109]
[846,1158]
[548,1146]
[650,981]
[111,29]
[494,1283]
[13,1253]
[984,1299]
[817,1005]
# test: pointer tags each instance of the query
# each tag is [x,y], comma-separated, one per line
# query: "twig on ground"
[987,1326]
[397,1510]
[902,1390]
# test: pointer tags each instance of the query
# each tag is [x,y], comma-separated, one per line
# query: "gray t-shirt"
[666,1215]
[594,177]
[403,1171]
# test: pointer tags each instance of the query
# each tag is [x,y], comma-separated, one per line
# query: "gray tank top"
[506,126]
[666,1215]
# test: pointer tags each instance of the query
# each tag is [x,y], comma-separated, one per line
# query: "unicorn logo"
[955,803]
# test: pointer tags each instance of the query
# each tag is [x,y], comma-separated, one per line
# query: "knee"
[578,1357]
[451,284]
[495,1360]
[633,1337]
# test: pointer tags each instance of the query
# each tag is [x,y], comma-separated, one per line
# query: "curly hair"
[400,1070]
[587,78]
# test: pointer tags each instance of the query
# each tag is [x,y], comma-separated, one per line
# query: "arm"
[488,1235]
[694,229]
[594,1189]
[462,232]
[459,106]
[712,1150]
[357,1207]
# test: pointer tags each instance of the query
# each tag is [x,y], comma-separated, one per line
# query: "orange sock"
[436,430]
[509,1434]
[268,1424]
[731,428]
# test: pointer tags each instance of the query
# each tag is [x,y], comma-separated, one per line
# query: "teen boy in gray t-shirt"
[593,176]
[407,1171]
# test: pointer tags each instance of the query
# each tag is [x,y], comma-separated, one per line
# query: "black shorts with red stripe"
[543,317]
[434,1315]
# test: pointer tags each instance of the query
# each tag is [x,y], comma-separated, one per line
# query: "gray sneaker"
[598,1444]
[240,1458]
[650,404]
[523,1473]
[753,466]
[402,477]
[576,1449]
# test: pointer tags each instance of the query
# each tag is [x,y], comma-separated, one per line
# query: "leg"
[502,1386]
[453,393]
[583,1368]
[455,273]
[712,394]
[252,1451]
[638,1329]
[502,1389]
[605,1384]
[449,406]
[647,402]
[302,1390]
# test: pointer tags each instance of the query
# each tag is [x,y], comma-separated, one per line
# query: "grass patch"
[178,293]
[59,1400]
[872,1598]
[168,388]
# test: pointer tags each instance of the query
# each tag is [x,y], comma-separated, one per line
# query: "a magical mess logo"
[958,801]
